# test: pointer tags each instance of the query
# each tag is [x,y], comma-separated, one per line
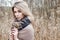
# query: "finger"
[12,29]
[12,32]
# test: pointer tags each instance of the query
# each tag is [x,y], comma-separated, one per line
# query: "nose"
[16,14]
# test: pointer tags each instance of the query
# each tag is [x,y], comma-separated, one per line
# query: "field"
[46,15]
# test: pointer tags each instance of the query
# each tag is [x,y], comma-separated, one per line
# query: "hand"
[14,34]
[14,31]
[10,36]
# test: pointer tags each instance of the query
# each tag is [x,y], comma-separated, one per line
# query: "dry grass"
[47,23]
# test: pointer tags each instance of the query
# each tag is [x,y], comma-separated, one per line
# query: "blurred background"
[46,14]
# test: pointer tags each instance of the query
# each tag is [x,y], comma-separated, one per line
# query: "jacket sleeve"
[27,33]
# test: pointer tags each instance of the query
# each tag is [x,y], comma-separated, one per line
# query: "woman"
[25,19]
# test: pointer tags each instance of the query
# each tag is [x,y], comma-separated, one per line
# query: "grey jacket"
[27,33]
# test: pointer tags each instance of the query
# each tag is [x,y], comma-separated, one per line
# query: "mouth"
[17,16]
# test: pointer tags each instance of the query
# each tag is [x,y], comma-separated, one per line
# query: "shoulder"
[27,31]
[28,28]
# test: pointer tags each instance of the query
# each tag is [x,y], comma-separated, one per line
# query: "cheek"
[20,14]
[16,14]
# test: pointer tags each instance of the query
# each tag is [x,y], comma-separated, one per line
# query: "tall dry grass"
[47,20]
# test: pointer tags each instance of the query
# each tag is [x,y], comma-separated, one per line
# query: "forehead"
[16,9]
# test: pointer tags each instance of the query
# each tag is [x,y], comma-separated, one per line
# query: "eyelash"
[14,11]
[18,11]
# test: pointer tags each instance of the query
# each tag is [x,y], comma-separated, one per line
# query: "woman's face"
[18,14]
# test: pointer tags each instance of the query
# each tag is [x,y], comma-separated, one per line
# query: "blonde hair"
[23,6]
